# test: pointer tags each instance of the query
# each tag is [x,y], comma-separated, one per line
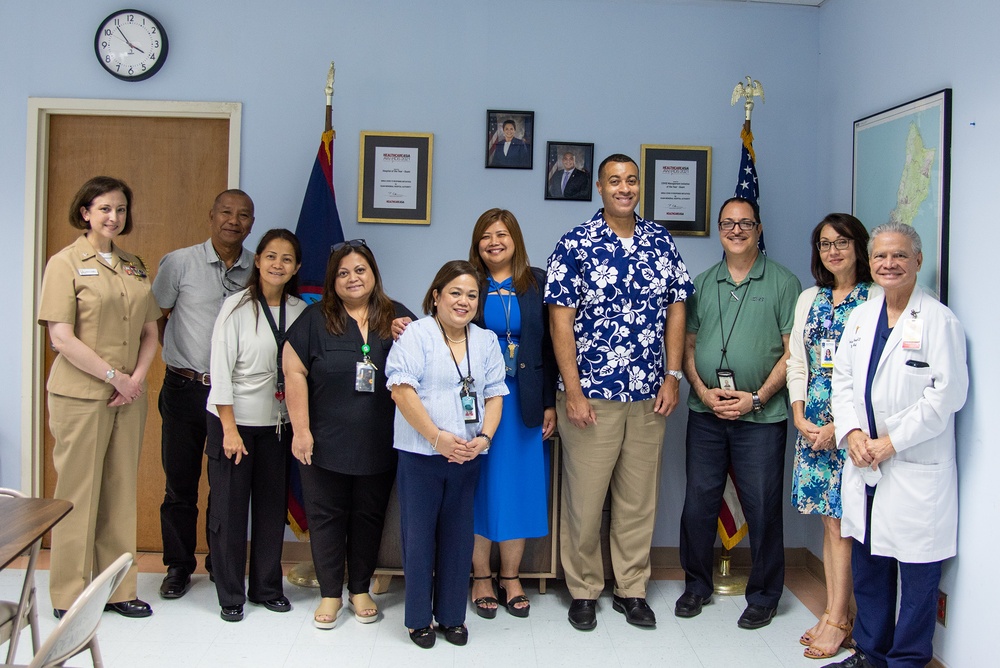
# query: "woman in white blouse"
[248,430]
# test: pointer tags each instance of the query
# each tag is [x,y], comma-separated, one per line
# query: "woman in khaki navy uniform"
[101,315]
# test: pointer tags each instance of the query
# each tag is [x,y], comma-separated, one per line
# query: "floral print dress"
[816,474]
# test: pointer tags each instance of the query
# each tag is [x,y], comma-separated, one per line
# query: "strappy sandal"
[812,653]
[806,639]
[482,603]
[326,614]
[363,603]
[511,603]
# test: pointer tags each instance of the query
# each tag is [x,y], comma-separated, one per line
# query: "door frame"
[40,109]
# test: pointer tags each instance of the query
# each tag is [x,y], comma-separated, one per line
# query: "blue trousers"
[757,454]
[436,513]
[906,642]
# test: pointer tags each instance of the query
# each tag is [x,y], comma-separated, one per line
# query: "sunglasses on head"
[353,243]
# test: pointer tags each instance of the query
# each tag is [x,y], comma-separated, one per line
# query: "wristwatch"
[676,374]
[109,375]
[757,406]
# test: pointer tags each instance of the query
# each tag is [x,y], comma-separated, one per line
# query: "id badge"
[364,377]
[470,409]
[510,351]
[727,379]
[913,332]
[827,349]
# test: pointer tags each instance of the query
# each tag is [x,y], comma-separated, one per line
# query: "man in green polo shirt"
[737,342]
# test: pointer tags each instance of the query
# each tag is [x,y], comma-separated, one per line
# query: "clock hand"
[130,44]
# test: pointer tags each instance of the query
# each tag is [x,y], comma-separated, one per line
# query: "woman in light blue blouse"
[446,376]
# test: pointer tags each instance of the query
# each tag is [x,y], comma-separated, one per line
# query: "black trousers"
[346,514]
[259,477]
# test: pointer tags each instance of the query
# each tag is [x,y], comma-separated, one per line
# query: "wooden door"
[175,167]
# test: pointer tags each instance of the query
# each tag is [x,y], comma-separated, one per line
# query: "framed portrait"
[394,179]
[569,173]
[675,187]
[509,139]
[902,173]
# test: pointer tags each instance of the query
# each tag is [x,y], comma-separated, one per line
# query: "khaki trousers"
[96,457]
[621,452]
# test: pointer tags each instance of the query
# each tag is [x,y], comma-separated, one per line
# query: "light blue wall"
[618,74]
[875,55]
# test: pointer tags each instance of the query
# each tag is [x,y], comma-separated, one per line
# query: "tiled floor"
[189,632]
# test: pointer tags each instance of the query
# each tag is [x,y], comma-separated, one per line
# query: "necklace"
[461,340]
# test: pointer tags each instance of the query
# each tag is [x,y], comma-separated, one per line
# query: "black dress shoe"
[456,635]
[756,616]
[134,608]
[423,637]
[232,613]
[689,605]
[57,613]
[583,614]
[637,612]
[176,583]
[280,604]
[856,660]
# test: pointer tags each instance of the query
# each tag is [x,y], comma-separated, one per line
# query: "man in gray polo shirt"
[190,286]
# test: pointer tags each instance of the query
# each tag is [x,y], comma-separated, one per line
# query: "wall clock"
[131,45]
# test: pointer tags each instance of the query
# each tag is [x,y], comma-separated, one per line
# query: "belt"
[191,374]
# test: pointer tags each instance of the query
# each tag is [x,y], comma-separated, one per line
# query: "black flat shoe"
[176,583]
[511,604]
[423,637]
[583,614]
[689,605]
[133,609]
[856,660]
[637,612]
[456,635]
[483,603]
[232,613]
[280,604]
[756,616]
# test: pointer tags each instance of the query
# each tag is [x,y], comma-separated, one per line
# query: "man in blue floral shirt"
[616,289]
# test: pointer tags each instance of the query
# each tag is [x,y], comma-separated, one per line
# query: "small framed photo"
[510,136]
[570,171]
[394,180]
[676,186]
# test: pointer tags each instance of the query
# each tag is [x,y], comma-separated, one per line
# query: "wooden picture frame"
[394,177]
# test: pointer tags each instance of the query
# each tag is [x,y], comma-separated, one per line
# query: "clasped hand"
[458,450]
[866,451]
[728,404]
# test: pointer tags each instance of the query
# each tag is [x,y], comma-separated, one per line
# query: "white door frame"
[40,109]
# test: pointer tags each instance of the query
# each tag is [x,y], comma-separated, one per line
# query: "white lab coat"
[915,511]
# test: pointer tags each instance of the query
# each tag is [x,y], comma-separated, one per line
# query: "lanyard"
[279,338]
[508,285]
[467,380]
[722,332]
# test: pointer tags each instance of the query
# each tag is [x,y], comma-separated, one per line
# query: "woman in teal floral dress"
[843,280]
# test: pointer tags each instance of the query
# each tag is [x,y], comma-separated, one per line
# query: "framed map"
[902,167]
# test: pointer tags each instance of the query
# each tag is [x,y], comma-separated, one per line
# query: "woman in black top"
[342,415]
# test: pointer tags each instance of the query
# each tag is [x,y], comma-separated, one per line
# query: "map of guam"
[915,184]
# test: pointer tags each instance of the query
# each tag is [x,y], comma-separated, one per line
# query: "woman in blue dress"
[843,281]
[512,495]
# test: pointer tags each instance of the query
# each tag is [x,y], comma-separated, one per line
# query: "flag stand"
[726,583]
[303,574]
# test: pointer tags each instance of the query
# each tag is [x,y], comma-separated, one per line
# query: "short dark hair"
[751,202]
[509,122]
[614,157]
[446,274]
[91,190]
[233,191]
[850,227]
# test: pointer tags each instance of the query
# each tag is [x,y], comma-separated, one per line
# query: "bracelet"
[489,441]
[435,446]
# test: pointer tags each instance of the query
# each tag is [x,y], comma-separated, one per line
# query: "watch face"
[131,45]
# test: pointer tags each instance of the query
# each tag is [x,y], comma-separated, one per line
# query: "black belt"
[191,374]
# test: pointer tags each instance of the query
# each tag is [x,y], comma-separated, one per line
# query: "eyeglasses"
[353,243]
[840,244]
[228,284]
[745,225]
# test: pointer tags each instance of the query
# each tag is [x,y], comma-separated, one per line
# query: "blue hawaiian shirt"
[621,296]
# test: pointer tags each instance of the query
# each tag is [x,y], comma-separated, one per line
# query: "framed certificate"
[675,187]
[394,180]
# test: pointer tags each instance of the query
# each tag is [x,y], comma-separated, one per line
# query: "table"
[23,521]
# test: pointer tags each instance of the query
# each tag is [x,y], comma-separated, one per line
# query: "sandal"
[365,610]
[483,603]
[326,614]
[511,603]
[806,638]
[812,653]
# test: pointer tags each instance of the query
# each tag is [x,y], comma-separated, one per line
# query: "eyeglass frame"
[353,243]
[744,225]
[843,243]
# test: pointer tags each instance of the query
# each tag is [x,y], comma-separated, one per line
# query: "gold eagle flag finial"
[749,90]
